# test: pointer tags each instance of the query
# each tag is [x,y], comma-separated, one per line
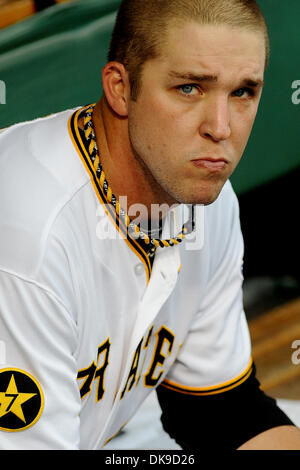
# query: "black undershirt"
[223,421]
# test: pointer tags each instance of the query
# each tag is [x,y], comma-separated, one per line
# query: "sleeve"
[39,397]
[212,382]
[222,421]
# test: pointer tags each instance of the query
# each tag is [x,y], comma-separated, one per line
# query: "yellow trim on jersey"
[104,200]
[115,434]
[214,389]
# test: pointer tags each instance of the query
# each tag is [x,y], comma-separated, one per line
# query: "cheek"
[148,129]
[161,112]
[241,128]
[160,127]
[148,116]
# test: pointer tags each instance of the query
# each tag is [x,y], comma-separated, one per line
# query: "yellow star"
[11,400]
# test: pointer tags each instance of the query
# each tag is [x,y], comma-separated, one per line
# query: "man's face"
[195,110]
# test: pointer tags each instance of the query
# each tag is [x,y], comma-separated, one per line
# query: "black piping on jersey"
[201,391]
[138,246]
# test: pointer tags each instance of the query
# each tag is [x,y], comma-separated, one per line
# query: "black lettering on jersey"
[99,374]
[148,338]
[145,346]
[132,376]
[164,336]
[93,372]
[133,369]
[89,373]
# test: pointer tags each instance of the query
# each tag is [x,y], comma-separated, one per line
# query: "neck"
[128,179]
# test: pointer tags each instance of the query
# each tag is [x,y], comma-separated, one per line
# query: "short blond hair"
[141,27]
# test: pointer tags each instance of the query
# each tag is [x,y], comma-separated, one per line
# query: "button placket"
[139,269]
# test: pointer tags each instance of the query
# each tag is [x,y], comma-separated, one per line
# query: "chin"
[202,197]
[204,201]
[200,200]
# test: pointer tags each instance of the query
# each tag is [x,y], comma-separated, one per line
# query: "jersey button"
[139,269]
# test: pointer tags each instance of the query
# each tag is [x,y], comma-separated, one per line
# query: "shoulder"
[39,174]
[43,145]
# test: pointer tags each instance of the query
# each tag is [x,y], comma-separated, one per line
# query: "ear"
[116,87]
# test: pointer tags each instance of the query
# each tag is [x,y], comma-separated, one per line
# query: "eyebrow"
[253,83]
[212,78]
[192,76]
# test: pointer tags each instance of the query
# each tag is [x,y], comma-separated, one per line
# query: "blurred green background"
[52,61]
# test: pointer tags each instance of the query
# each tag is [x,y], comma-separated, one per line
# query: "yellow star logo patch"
[21,400]
[11,400]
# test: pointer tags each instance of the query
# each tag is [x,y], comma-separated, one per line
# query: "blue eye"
[187,89]
[241,91]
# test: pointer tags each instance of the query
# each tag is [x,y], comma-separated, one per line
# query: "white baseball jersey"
[88,328]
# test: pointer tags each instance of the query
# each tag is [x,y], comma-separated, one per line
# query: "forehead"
[218,50]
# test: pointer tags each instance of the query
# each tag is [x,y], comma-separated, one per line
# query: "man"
[99,306]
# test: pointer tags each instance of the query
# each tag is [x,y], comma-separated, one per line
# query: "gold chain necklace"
[132,228]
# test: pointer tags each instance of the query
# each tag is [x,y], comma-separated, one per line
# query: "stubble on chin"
[203,193]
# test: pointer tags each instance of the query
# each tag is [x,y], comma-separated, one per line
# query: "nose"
[215,123]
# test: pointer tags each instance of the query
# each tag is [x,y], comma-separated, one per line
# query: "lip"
[211,164]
